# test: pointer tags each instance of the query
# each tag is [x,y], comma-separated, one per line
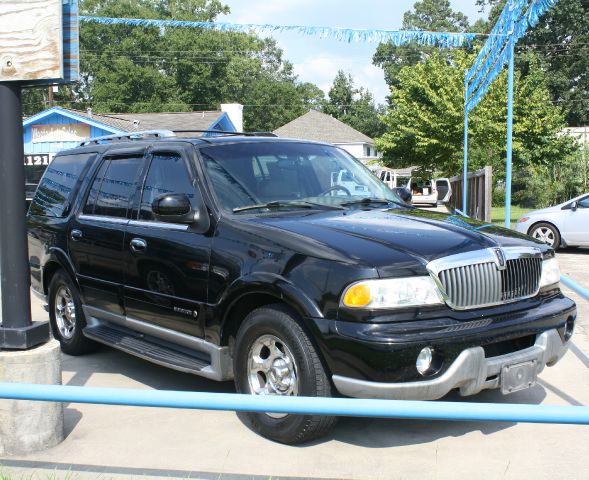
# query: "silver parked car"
[564,225]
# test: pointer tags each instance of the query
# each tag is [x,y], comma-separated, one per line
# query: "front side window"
[167,174]
[244,174]
[584,202]
[57,184]
[113,187]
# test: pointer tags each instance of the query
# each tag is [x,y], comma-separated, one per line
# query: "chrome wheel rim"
[65,312]
[272,369]
[544,234]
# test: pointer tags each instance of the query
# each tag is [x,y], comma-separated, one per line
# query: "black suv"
[286,266]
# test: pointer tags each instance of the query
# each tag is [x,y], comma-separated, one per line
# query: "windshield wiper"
[282,204]
[369,201]
[286,204]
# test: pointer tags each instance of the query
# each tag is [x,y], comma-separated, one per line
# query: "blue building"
[56,129]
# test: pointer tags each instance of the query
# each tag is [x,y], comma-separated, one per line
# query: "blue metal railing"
[575,287]
[301,405]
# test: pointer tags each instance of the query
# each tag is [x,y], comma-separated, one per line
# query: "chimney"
[89,112]
[235,113]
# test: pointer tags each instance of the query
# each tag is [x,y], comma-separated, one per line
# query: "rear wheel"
[66,316]
[547,233]
[274,356]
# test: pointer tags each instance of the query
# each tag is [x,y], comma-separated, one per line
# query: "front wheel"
[547,233]
[274,356]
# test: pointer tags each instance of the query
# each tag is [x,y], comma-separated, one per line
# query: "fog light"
[424,360]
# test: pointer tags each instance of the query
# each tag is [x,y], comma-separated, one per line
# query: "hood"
[390,239]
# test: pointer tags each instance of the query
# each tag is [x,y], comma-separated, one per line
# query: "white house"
[318,126]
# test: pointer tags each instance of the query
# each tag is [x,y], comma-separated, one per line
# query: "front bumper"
[471,372]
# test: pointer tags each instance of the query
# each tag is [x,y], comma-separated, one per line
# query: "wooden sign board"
[70,132]
[38,41]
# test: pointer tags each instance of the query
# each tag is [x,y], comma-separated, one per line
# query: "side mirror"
[574,205]
[176,208]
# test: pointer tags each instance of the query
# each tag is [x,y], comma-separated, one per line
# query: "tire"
[274,331]
[547,233]
[67,317]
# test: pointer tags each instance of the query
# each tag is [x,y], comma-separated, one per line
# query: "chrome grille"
[485,282]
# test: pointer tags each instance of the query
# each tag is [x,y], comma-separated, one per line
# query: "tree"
[353,106]
[561,41]
[432,15]
[425,121]
[137,69]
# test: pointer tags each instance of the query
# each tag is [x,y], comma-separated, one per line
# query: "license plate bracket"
[518,377]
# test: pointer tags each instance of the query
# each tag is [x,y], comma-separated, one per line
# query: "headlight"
[550,272]
[392,293]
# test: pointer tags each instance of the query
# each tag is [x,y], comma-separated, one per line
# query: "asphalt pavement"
[129,442]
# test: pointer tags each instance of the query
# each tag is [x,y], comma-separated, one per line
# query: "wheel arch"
[552,224]
[257,291]
[57,260]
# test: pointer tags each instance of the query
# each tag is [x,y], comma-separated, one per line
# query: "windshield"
[288,174]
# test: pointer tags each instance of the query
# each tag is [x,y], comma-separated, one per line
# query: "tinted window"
[167,174]
[584,203]
[118,186]
[55,190]
[95,188]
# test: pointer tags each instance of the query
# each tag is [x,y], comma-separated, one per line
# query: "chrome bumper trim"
[471,372]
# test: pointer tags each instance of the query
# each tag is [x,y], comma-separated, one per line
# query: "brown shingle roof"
[172,121]
[315,125]
[132,122]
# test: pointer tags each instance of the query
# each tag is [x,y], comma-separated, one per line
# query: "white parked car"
[564,225]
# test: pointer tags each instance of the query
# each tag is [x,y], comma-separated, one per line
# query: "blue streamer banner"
[396,37]
[516,18]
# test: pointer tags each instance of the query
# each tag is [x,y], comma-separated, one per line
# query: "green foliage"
[432,15]
[543,186]
[136,69]
[561,42]
[425,120]
[354,106]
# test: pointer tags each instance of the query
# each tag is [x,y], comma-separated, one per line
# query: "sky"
[317,60]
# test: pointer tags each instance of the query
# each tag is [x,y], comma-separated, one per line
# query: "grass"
[498,214]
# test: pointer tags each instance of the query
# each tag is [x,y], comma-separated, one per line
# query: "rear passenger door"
[167,264]
[96,234]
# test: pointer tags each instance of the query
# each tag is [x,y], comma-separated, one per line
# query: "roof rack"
[222,133]
[129,136]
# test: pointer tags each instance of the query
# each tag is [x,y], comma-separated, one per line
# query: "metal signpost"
[38,46]
[515,20]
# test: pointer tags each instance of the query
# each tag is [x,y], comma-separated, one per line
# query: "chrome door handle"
[138,245]
[76,235]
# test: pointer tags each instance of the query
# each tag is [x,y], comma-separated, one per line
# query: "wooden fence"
[480,193]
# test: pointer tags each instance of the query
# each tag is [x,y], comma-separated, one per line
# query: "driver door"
[167,264]
[576,225]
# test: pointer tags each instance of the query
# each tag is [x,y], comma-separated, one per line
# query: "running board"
[159,345]
[136,344]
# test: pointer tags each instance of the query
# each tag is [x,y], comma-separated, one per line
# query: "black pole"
[17,330]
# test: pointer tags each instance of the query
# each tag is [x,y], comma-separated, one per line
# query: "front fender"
[267,284]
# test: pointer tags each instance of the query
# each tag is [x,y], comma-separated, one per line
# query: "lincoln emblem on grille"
[500,258]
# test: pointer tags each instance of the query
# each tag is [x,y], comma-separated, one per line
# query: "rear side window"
[113,187]
[55,190]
